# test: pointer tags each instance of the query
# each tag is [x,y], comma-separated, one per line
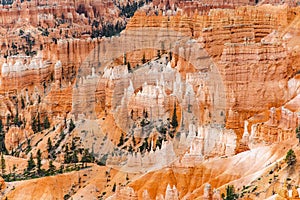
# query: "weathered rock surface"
[173,98]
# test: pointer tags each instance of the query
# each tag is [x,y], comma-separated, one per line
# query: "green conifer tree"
[39,161]
[30,163]
[52,168]
[290,157]
[3,165]
[46,123]
[174,121]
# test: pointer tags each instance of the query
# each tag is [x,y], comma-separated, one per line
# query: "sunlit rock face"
[208,142]
[233,50]
[170,101]
[277,124]
[245,47]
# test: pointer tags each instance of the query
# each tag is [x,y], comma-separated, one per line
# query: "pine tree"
[30,163]
[124,59]
[71,126]
[158,54]
[170,55]
[52,168]
[8,119]
[230,194]
[290,157]
[87,157]
[73,145]
[14,171]
[130,148]
[28,148]
[129,67]
[74,157]
[61,169]
[46,123]
[174,121]
[84,159]
[39,161]
[67,157]
[144,59]
[133,140]
[2,139]
[2,164]
[131,114]
[39,128]
[159,142]
[22,103]
[121,142]
[1,126]
[34,125]
[114,187]
[16,119]
[145,145]
[49,146]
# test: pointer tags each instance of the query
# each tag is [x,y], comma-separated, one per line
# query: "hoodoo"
[145,100]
